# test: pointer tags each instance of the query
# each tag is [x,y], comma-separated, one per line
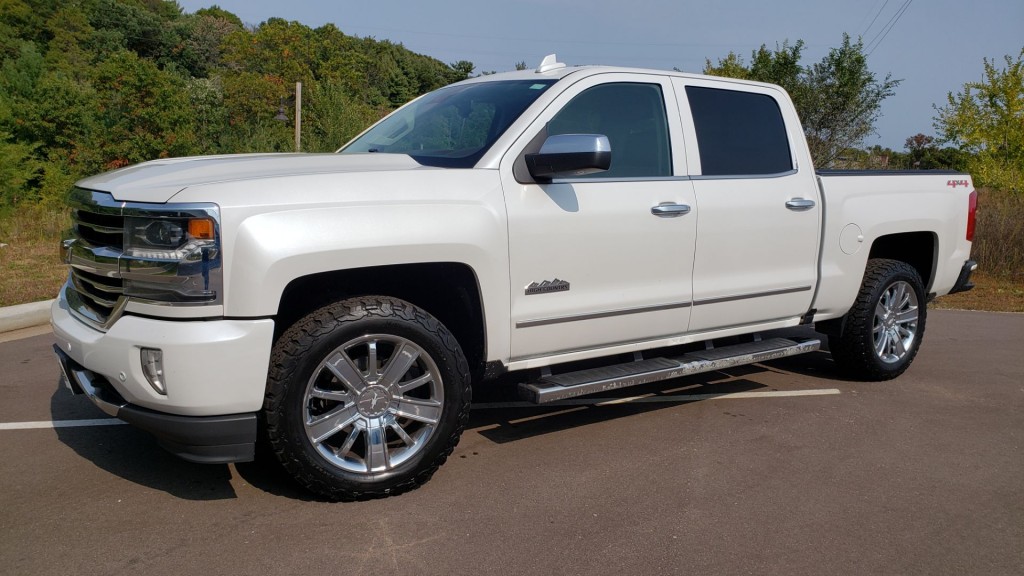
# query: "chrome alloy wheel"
[373,403]
[895,322]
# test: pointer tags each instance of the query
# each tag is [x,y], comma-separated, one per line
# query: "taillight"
[972,211]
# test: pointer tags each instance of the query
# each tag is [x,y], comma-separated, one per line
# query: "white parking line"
[654,398]
[59,424]
[646,399]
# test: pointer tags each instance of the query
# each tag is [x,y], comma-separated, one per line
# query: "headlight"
[172,257]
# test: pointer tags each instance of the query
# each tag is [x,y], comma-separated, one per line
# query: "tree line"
[93,85]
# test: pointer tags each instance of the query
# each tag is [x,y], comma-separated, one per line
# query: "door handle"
[670,210]
[799,204]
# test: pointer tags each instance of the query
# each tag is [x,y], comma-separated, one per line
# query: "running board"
[573,384]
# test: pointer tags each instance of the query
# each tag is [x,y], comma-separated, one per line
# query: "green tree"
[838,98]
[145,112]
[924,153]
[18,165]
[333,117]
[462,69]
[986,119]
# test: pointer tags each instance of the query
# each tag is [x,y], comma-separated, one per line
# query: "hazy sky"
[934,45]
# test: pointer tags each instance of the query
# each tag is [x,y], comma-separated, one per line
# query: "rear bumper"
[203,439]
[963,282]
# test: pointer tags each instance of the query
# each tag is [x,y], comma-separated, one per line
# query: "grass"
[991,293]
[32,269]
[999,239]
[30,262]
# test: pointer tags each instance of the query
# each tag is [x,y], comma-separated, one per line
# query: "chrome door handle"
[670,210]
[799,204]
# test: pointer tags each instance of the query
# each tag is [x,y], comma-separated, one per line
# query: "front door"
[591,264]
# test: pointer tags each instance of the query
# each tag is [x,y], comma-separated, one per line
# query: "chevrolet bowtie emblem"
[547,286]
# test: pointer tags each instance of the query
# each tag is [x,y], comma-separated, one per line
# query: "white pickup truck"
[576,228]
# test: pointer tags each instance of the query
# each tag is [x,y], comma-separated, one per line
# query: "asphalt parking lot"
[781,468]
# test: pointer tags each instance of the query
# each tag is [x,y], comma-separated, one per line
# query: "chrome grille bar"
[95,292]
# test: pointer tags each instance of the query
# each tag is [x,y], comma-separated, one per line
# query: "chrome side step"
[583,382]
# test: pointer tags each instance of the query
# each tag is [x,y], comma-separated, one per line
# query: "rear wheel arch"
[918,249]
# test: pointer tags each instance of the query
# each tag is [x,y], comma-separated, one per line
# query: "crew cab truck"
[577,229]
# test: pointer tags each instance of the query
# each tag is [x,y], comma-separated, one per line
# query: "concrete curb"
[24,315]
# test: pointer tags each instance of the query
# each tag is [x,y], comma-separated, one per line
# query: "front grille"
[100,293]
[95,290]
[99,229]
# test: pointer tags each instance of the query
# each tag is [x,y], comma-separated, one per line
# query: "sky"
[934,46]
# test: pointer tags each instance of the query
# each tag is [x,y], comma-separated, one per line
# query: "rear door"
[760,215]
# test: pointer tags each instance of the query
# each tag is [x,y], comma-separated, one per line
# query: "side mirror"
[570,155]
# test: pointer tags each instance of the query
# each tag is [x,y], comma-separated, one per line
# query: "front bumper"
[204,439]
[215,374]
[963,282]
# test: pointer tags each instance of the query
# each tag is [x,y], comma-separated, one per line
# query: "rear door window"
[738,133]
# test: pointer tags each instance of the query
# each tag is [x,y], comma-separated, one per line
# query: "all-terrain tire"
[366,398]
[882,332]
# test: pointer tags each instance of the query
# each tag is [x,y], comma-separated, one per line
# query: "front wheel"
[366,398]
[882,332]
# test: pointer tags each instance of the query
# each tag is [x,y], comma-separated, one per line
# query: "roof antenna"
[549,63]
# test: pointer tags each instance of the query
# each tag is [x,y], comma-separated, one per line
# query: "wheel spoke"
[400,362]
[902,297]
[376,449]
[880,309]
[882,343]
[371,358]
[350,441]
[335,395]
[346,372]
[899,348]
[331,423]
[404,387]
[403,435]
[909,315]
[426,411]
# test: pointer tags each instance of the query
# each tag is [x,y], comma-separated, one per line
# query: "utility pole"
[298,116]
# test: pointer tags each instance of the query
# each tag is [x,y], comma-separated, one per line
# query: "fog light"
[153,368]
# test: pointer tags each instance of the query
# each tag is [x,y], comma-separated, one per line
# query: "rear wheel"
[366,398]
[882,332]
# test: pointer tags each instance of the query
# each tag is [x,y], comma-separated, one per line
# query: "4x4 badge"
[547,286]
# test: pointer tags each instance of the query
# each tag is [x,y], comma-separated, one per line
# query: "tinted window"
[738,132]
[632,116]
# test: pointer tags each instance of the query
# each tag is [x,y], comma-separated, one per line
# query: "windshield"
[452,127]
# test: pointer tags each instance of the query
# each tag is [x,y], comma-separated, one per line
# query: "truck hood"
[159,180]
